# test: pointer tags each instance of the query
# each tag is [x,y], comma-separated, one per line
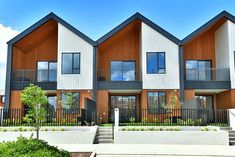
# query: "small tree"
[173,101]
[35,99]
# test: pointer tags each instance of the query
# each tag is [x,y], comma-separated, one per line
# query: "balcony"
[118,80]
[46,79]
[207,78]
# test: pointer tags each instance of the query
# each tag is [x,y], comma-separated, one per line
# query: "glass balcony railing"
[117,75]
[44,78]
[207,74]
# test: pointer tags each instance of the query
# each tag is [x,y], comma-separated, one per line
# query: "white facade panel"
[69,42]
[152,41]
[222,46]
[231,32]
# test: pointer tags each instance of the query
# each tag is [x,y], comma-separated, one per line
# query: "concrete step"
[104,137]
[105,141]
[104,134]
[226,128]
[232,131]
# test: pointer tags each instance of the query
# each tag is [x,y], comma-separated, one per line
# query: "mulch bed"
[81,154]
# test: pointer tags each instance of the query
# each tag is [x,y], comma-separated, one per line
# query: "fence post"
[116,119]
[231,118]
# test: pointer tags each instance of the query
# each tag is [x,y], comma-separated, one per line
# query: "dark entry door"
[126,105]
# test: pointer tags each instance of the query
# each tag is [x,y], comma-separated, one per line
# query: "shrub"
[142,129]
[167,121]
[144,120]
[53,129]
[132,120]
[155,120]
[24,147]
[46,129]
[62,129]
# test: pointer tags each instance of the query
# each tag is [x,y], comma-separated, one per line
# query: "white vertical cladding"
[69,42]
[222,46]
[152,41]
[231,32]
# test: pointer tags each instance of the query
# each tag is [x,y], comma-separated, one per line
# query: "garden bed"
[53,135]
[171,135]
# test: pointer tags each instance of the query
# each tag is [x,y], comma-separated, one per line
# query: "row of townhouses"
[137,65]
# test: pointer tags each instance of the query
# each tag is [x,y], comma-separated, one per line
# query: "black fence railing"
[53,117]
[173,117]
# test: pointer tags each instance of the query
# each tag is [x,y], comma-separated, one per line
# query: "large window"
[156,63]
[46,71]
[70,63]
[122,71]
[70,100]
[198,70]
[156,101]
[205,101]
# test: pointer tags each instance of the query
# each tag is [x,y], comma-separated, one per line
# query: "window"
[46,71]
[204,102]
[70,100]
[156,102]
[198,70]
[3,99]
[122,71]
[156,63]
[70,63]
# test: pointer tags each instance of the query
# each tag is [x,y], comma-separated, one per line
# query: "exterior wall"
[83,94]
[189,94]
[226,99]
[70,42]
[15,101]
[222,46]
[44,51]
[124,47]
[231,33]
[102,105]
[153,41]
[1,103]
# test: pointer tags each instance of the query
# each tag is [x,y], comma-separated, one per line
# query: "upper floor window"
[122,71]
[156,101]
[46,71]
[156,63]
[198,70]
[70,63]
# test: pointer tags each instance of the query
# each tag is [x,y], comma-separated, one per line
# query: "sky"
[96,17]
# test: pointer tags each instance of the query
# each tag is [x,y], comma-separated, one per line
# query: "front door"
[126,105]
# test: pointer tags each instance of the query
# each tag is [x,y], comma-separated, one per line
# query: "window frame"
[110,70]
[73,110]
[198,69]
[158,110]
[48,70]
[147,69]
[71,53]
[3,99]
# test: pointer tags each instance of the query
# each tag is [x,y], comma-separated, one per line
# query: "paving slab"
[116,150]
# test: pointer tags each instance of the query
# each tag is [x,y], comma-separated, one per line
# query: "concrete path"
[120,150]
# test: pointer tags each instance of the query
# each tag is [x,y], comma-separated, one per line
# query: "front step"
[232,137]
[104,135]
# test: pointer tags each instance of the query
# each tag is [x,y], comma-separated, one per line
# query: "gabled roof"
[143,19]
[223,14]
[44,20]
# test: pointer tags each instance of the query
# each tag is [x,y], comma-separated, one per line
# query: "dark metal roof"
[44,20]
[143,19]
[223,14]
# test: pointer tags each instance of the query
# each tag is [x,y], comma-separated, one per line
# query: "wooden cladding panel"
[123,46]
[46,51]
[202,47]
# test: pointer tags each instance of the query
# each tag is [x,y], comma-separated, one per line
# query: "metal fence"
[53,117]
[173,117]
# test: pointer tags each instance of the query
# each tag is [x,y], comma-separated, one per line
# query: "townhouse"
[137,65]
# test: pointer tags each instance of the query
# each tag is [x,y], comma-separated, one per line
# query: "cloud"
[6,33]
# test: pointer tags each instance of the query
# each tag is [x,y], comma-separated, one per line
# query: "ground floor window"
[204,102]
[70,100]
[156,101]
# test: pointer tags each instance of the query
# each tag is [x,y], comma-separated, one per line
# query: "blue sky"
[95,18]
